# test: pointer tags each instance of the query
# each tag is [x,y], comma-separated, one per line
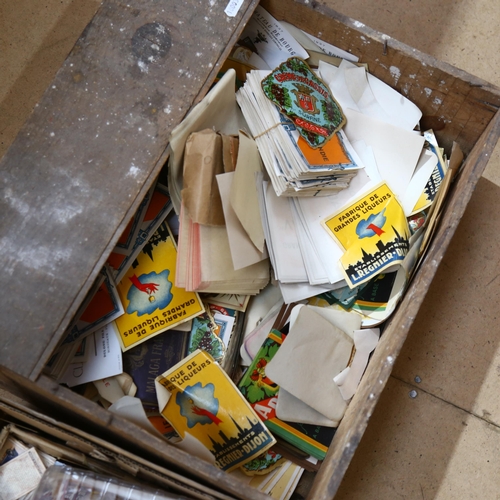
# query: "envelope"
[313,353]
[244,195]
[396,150]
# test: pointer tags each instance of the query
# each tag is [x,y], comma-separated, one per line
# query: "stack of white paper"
[379,127]
[295,168]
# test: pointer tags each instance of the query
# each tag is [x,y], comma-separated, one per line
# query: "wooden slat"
[66,406]
[85,158]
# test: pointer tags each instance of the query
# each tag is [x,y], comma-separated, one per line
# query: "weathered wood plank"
[85,158]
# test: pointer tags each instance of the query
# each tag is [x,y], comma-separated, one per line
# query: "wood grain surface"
[87,155]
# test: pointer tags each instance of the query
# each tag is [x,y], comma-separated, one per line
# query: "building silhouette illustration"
[225,443]
[432,186]
[376,260]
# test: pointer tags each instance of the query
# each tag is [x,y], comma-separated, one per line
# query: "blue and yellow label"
[205,403]
[374,233]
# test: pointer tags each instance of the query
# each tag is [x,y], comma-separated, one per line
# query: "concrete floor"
[445,443]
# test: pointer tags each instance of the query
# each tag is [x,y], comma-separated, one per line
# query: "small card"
[20,475]
[105,359]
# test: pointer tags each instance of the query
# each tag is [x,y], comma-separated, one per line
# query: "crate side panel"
[86,156]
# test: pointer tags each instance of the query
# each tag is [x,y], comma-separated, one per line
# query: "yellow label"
[149,296]
[374,233]
[205,403]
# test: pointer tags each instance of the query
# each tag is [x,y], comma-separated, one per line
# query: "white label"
[233,7]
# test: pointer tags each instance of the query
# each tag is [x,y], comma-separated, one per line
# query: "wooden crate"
[94,145]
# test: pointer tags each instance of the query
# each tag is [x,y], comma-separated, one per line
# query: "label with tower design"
[373,232]
[198,398]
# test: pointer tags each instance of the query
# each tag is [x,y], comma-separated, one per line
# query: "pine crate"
[96,141]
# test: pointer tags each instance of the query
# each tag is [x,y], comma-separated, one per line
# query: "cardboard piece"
[152,301]
[313,353]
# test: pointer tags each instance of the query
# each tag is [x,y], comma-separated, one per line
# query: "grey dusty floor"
[445,442]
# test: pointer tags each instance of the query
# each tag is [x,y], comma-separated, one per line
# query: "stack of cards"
[294,166]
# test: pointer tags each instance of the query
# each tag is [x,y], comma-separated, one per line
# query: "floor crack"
[419,388]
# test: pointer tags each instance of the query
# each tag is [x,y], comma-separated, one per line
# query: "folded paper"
[347,380]
[313,353]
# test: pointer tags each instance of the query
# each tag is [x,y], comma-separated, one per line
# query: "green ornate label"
[305,99]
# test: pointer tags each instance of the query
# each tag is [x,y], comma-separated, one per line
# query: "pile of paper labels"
[308,231]
[309,189]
